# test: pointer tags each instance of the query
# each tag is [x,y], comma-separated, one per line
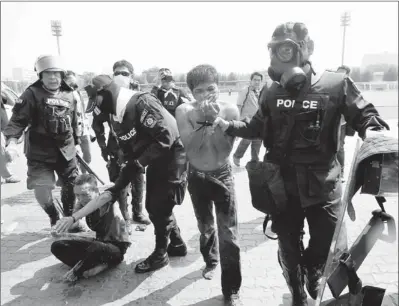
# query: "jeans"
[92,252]
[217,188]
[243,146]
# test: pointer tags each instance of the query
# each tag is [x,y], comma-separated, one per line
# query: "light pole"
[56,29]
[345,20]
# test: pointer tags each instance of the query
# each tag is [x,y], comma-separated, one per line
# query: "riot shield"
[374,168]
[333,255]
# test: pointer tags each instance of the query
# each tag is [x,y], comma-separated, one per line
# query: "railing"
[225,86]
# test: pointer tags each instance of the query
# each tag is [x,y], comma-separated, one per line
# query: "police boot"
[44,197]
[158,259]
[294,279]
[313,275]
[67,199]
[52,213]
[176,247]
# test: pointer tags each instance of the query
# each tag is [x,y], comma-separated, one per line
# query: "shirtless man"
[210,178]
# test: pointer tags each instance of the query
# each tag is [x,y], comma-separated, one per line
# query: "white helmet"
[49,63]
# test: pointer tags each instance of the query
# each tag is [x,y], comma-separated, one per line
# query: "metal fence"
[225,86]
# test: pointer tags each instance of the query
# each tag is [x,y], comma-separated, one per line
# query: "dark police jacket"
[53,123]
[112,144]
[303,131]
[98,128]
[170,99]
[147,133]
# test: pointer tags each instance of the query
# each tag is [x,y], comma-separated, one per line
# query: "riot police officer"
[149,137]
[299,121]
[168,93]
[50,108]
[111,153]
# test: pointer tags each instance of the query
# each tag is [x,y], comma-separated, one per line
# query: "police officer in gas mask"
[299,121]
[49,107]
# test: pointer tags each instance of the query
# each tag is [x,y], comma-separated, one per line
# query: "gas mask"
[286,62]
[122,81]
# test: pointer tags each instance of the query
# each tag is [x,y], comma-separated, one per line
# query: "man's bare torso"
[207,149]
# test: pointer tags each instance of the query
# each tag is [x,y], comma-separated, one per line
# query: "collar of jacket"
[123,98]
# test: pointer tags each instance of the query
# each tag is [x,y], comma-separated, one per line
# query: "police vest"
[169,99]
[52,123]
[304,129]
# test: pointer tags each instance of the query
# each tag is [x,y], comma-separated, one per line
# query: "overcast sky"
[231,36]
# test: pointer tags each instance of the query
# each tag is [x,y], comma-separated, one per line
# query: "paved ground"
[30,275]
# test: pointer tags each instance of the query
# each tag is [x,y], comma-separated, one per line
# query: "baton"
[88,169]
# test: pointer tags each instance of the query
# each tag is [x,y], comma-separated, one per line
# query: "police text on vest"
[128,135]
[290,104]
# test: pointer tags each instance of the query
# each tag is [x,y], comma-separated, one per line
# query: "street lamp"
[345,20]
[56,30]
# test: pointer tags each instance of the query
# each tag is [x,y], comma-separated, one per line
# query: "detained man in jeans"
[210,177]
[248,105]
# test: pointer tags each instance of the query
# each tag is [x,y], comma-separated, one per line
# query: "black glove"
[105,153]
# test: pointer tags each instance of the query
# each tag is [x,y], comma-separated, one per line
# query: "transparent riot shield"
[343,262]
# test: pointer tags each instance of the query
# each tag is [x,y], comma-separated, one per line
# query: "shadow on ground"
[19,249]
[47,288]
[193,243]
[43,289]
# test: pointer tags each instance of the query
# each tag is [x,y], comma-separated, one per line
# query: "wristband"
[74,219]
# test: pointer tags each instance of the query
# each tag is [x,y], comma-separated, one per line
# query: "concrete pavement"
[30,275]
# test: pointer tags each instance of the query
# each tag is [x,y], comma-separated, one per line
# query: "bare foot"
[94,271]
[209,272]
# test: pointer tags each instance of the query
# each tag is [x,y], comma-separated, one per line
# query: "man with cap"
[299,120]
[50,108]
[149,137]
[112,154]
[168,93]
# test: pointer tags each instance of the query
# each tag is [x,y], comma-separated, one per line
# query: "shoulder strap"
[246,97]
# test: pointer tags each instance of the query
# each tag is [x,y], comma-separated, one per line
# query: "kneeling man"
[210,179]
[88,256]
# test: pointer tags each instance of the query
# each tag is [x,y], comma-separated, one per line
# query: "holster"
[267,187]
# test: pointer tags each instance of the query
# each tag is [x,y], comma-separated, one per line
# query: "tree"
[391,74]
[366,76]
[355,74]
[182,78]
[151,74]
[87,77]
[232,77]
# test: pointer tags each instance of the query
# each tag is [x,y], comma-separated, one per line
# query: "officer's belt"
[211,176]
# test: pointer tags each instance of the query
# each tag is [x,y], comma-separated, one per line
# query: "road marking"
[28,245]
[11,227]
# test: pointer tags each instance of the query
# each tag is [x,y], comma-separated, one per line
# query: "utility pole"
[345,20]
[56,29]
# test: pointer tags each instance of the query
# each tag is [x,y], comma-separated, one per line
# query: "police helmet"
[49,63]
